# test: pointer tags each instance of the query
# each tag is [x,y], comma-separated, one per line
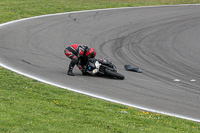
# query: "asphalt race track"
[163,41]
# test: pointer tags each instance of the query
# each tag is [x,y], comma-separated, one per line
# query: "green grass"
[27,105]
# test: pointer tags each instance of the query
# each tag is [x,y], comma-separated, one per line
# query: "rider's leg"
[74,60]
[82,68]
[84,72]
[71,66]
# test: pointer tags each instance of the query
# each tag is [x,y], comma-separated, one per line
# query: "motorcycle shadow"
[98,76]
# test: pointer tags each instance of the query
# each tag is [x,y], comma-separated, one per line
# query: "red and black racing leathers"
[79,54]
[76,53]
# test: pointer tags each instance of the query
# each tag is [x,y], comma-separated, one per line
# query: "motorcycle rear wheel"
[114,74]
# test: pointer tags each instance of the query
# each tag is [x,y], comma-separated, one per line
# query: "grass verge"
[27,105]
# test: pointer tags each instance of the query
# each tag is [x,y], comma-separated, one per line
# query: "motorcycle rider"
[79,55]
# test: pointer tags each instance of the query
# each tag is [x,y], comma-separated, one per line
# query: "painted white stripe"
[89,94]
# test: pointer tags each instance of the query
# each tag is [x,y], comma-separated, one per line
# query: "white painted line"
[89,94]
[177,80]
[192,80]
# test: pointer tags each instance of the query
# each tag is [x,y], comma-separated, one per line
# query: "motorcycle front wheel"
[114,74]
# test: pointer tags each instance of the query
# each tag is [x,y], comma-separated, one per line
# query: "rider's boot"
[70,73]
[71,66]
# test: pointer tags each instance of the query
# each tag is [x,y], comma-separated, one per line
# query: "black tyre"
[114,74]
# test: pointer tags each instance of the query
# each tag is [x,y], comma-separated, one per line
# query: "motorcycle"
[102,68]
